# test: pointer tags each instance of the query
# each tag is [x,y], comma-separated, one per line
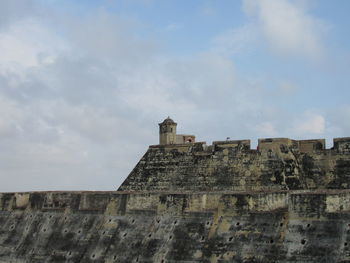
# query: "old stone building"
[186,201]
[167,134]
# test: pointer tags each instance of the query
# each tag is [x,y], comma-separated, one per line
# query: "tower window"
[171,129]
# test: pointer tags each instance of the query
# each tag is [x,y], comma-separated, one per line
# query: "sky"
[84,84]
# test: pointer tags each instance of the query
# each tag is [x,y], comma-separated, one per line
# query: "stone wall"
[279,226]
[278,164]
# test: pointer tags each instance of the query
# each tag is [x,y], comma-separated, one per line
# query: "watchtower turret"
[167,132]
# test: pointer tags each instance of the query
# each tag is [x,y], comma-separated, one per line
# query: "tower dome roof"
[168,121]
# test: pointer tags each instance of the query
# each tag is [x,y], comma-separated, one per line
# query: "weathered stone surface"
[285,226]
[278,164]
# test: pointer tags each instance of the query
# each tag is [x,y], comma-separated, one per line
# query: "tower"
[167,132]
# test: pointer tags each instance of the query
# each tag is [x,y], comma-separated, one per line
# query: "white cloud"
[234,41]
[93,109]
[265,129]
[109,38]
[28,43]
[338,118]
[309,124]
[288,27]
[10,115]
[15,10]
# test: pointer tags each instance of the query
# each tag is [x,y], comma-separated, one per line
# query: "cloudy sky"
[84,84]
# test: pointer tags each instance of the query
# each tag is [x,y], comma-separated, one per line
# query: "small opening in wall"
[109,220]
[79,231]
[162,261]
[318,146]
[269,153]
[208,223]
[202,238]
[238,223]
[281,224]
[230,239]
[175,222]
[115,257]
[65,231]
[137,259]
[308,225]
[69,253]
[93,256]
[149,235]
[132,221]
[125,234]
[44,229]
[345,244]
[170,237]
[303,241]
[271,241]
[104,232]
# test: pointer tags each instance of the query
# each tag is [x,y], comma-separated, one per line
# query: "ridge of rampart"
[231,165]
[340,145]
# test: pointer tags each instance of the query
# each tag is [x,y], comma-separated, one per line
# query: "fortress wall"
[342,145]
[299,226]
[121,203]
[239,144]
[278,164]
[309,146]
[276,144]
